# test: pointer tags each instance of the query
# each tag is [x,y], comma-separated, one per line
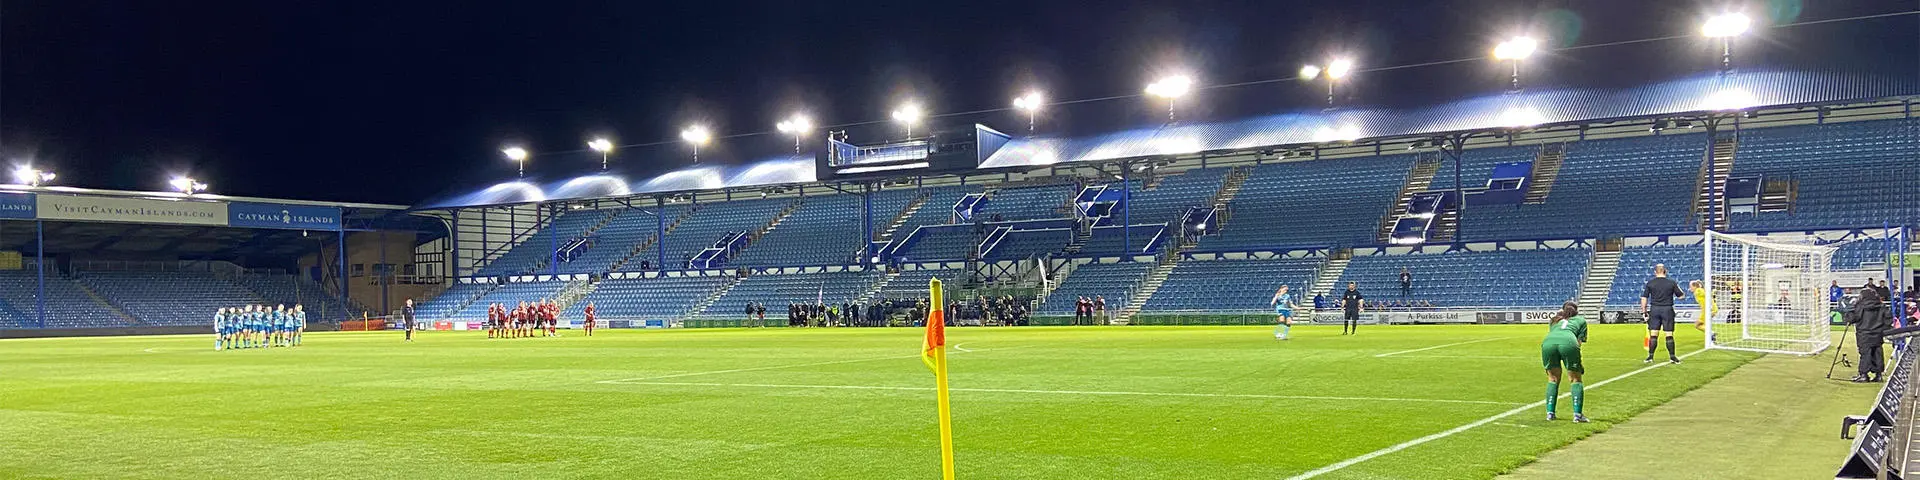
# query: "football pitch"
[1032,402]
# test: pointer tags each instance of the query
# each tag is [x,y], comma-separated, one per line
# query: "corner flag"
[934,352]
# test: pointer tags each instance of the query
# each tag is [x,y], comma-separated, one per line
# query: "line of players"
[258,326]
[527,319]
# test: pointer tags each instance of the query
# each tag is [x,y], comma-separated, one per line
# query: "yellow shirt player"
[1706,306]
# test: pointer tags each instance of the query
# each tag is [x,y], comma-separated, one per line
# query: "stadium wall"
[378,270]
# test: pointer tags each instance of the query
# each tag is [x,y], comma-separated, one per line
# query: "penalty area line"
[1068,392]
[1455,430]
[1435,347]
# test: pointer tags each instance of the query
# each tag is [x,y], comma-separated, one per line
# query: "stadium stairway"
[1720,163]
[700,308]
[573,292]
[877,287]
[102,302]
[1602,268]
[605,219]
[1419,177]
[469,301]
[774,223]
[1155,277]
[899,219]
[1328,278]
[647,245]
[1236,178]
[1546,169]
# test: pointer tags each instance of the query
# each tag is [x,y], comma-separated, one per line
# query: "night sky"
[396,102]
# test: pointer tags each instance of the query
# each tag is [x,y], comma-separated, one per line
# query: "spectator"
[1100,309]
[1406,282]
[1319,301]
[1834,294]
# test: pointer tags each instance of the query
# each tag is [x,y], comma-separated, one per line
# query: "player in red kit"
[588,326]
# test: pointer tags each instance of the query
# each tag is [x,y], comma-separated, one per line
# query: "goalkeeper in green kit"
[1565,334]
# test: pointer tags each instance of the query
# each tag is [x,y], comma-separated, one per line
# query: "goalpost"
[1768,296]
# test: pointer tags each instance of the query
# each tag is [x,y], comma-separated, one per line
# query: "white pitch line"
[1441,346]
[961,347]
[1066,392]
[777,367]
[1455,430]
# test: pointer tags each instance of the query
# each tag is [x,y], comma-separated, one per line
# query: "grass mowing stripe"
[1441,346]
[777,367]
[1069,392]
[1455,430]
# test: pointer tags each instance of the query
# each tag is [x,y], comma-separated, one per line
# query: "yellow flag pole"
[936,313]
[946,417]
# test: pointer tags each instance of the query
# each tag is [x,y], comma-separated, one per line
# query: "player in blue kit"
[299,323]
[281,321]
[243,324]
[1283,308]
[220,329]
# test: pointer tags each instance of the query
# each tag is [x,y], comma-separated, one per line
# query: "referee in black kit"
[1656,303]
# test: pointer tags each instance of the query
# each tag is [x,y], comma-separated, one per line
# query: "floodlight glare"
[1339,68]
[600,145]
[32,177]
[515,153]
[1519,48]
[1171,87]
[696,135]
[797,126]
[187,185]
[1029,102]
[1309,72]
[1726,25]
[908,115]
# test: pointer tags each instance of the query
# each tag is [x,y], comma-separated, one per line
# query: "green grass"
[1029,403]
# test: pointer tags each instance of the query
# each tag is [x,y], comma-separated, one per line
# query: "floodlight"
[32,177]
[1030,103]
[908,115]
[1309,72]
[1519,48]
[187,185]
[797,126]
[1171,87]
[603,146]
[1339,68]
[515,153]
[696,135]
[1726,25]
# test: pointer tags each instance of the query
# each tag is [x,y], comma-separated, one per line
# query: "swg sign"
[130,210]
[292,217]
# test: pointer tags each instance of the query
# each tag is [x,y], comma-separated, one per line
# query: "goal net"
[1768,296]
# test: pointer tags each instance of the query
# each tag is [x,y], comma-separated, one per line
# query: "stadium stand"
[1661,171]
[1844,175]
[1021,244]
[510,294]
[1506,278]
[450,300]
[617,240]
[169,298]
[1234,285]
[1115,281]
[647,298]
[824,230]
[776,291]
[528,254]
[1027,203]
[1311,203]
[712,220]
[68,304]
[1636,266]
[1113,240]
[1175,192]
[290,290]
[912,284]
